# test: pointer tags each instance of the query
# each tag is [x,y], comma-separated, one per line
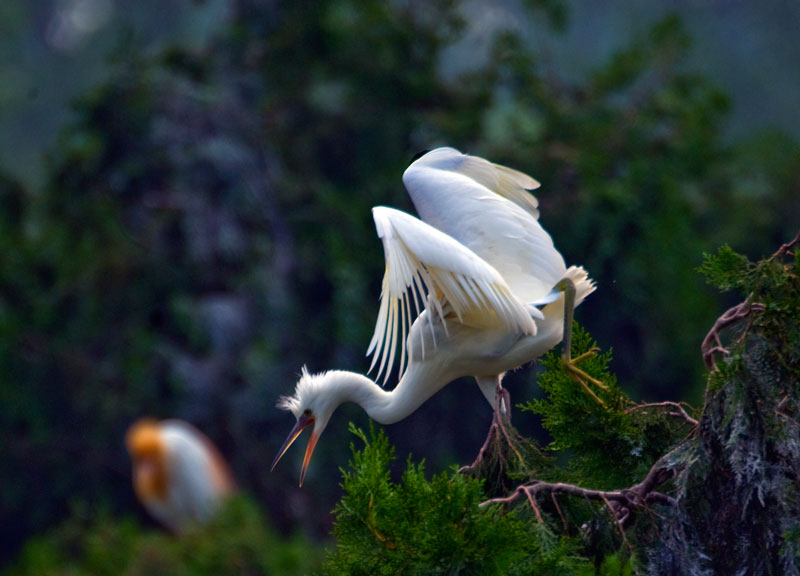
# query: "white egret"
[487,286]
[178,474]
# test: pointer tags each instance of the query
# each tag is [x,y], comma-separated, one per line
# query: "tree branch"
[681,411]
[785,248]
[619,502]
[711,343]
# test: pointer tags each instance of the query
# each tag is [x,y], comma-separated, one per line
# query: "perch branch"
[619,502]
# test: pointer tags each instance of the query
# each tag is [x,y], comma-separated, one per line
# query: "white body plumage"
[468,290]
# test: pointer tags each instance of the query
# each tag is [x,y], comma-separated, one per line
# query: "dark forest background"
[200,228]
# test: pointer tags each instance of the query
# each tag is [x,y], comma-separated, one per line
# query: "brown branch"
[681,411]
[619,502]
[785,248]
[781,410]
[532,502]
[620,520]
[662,498]
[560,514]
[370,524]
[712,343]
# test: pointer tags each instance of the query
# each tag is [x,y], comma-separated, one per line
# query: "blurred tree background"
[201,227]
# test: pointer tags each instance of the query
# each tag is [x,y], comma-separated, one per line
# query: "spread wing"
[506,182]
[434,271]
[489,209]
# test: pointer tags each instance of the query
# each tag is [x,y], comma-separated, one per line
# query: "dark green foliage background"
[236,542]
[202,230]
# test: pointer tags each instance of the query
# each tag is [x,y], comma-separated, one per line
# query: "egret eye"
[307,411]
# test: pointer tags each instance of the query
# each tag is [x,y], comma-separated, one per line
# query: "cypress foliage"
[436,526]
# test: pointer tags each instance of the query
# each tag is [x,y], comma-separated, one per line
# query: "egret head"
[312,404]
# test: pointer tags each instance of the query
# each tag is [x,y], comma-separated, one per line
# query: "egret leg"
[570,364]
[503,417]
[493,391]
[498,431]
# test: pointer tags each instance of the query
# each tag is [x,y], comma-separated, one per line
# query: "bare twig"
[619,502]
[681,411]
[560,514]
[370,523]
[532,502]
[784,250]
[711,343]
[781,410]
[619,520]
[662,498]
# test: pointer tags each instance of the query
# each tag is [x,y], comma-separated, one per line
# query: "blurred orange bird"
[178,474]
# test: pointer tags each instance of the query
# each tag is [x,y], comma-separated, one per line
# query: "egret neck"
[385,407]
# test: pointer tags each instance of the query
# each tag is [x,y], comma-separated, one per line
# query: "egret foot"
[581,377]
[497,429]
[502,451]
[570,364]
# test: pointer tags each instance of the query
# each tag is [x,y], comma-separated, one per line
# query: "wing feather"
[503,181]
[488,209]
[428,266]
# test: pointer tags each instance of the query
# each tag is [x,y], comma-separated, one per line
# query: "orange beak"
[312,443]
[301,424]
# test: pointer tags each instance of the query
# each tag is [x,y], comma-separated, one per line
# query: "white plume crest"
[306,388]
